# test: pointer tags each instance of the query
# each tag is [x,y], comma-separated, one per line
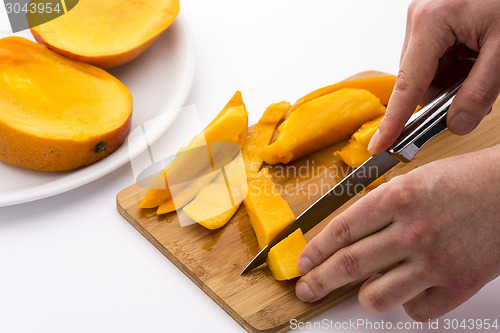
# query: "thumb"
[478,93]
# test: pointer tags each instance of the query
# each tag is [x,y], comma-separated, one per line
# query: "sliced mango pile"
[218,191]
[230,125]
[324,117]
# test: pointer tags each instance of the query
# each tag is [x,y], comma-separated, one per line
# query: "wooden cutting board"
[213,260]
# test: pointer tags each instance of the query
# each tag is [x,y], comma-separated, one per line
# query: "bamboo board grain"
[213,260]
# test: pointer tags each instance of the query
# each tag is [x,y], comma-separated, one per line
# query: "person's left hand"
[440,223]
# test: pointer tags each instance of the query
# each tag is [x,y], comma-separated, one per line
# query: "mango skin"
[38,133]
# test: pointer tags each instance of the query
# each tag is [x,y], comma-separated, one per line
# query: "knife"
[424,125]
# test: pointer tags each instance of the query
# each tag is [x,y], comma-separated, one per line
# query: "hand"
[438,224]
[432,27]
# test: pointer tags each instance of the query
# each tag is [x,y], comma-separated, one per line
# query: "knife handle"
[430,120]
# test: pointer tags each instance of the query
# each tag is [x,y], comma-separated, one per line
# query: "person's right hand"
[432,27]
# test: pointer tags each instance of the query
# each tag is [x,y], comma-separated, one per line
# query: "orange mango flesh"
[380,86]
[217,131]
[262,133]
[107,33]
[215,195]
[282,258]
[321,122]
[353,154]
[356,152]
[231,127]
[186,194]
[269,213]
[214,203]
[57,114]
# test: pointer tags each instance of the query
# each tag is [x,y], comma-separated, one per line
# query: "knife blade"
[424,125]
[363,176]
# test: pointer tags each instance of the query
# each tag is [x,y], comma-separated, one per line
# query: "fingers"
[410,86]
[383,293]
[345,229]
[426,43]
[478,93]
[434,302]
[349,264]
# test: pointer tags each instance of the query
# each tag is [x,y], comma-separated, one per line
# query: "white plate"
[159,80]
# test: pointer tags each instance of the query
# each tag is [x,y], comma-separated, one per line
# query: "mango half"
[107,33]
[57,114]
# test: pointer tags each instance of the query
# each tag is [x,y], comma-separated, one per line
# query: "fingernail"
[303,292]
[373,141]
[463,123]
[304,264]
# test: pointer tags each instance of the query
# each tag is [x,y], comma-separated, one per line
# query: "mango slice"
[262,133]
[321,122]
[217,202]
[355,152]
[282,258]
[185,195]
[269,213]
[107,33]
[380,86]
[230,125]
[214,206]
[57,114]
[230,128]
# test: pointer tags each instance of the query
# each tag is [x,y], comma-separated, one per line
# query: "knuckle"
[465,284]
[400,193]
[479,97]
[316,284]
[315,251]
[403,80]
[435,262]
[418,237]
[340,232]
[372,300]
[423,11]
[348,264]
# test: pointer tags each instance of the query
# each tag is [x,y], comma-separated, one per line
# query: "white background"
[71,263]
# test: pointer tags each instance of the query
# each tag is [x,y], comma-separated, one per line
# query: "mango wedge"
[321,122]
[228,129]
[380,86]
[230,125]
[269,213]
[217,202]
[214,206]
[262,133]
[355,152]
[282,258]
